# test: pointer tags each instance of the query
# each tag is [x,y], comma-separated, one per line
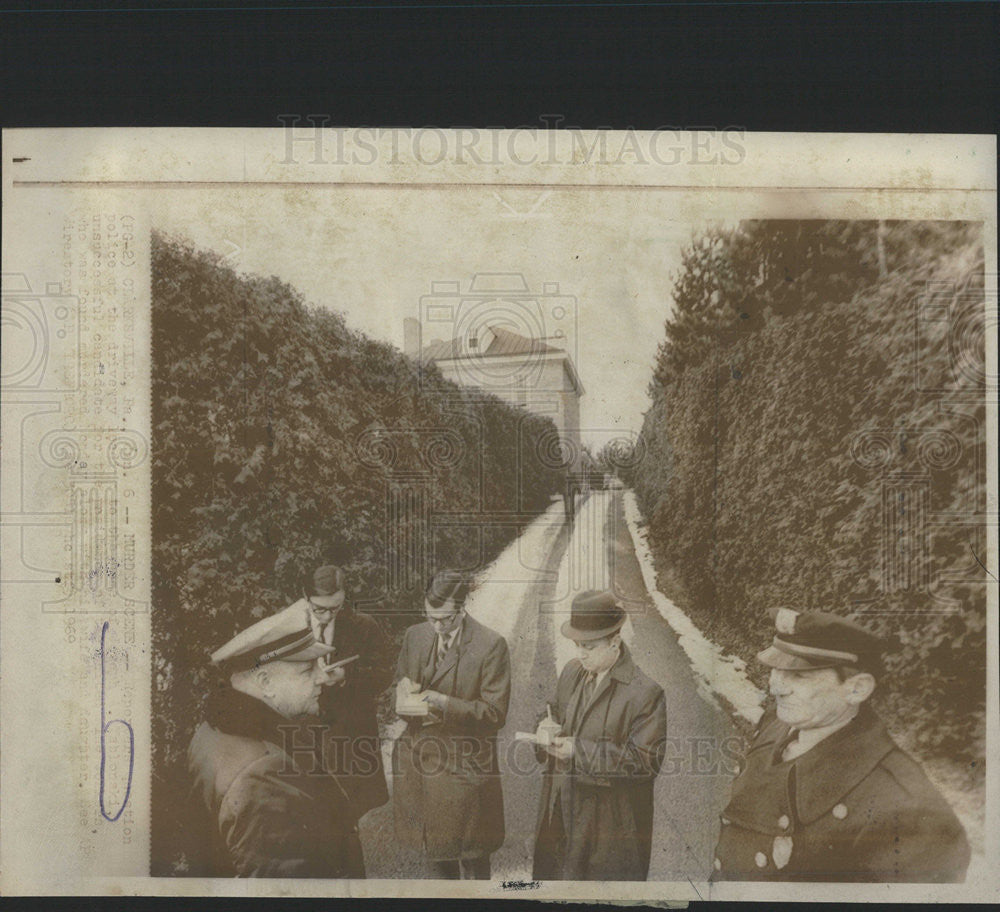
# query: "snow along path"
[584,566]
[715,671]
[502,586]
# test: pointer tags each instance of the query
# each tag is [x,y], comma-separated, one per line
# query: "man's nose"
[777,683]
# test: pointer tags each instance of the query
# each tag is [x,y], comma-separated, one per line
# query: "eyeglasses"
[325,609]
[447,619]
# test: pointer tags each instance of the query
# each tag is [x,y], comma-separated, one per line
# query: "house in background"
[530,373]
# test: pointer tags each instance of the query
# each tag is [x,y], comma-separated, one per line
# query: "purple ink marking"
[104,730]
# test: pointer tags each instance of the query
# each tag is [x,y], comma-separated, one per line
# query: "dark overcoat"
[447,798]
[266,813]
[353,750]
[605,793]
[853,808]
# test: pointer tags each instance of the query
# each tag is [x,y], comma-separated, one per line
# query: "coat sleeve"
[914,836]
[558,705]
[489,711]
[643,751]
[265,824]
[401,660]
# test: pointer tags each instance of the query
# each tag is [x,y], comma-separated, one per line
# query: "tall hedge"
[278,433]
[816,382]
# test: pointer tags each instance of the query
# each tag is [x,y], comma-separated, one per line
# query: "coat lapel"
[572,705]
[452,656]
[622,671]
[838,763]
[425,655]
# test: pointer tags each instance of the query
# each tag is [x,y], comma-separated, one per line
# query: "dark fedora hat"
[593,615]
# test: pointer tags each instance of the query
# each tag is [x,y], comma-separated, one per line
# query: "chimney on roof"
[411,337]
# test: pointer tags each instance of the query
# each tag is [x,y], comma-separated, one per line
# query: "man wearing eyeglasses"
[453,688]
[347,705]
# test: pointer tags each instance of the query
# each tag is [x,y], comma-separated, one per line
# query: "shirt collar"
[449,638]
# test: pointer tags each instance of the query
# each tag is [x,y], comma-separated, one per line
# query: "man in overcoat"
[824,793]
[269,809]
[595,820]
[348,704]
[447,798]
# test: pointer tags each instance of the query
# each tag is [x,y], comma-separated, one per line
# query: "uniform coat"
[447,798]
[349,711]
[595,821]
[853,808]
[268,815]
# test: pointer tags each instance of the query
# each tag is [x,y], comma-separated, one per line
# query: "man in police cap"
[825,794]
[274,810]
[595,821]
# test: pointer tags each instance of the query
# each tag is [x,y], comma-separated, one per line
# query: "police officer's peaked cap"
[285,636]
[816,639]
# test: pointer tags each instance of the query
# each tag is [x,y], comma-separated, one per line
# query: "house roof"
[504,343]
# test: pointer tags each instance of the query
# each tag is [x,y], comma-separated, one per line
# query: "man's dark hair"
[308,581]
[448,584]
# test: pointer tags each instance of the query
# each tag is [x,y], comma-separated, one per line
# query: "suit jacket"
[266,814]
[447,797]
[853,808]
[595,820]
[348,711]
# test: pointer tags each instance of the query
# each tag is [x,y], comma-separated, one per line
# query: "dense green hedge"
[802,376]
[276,431]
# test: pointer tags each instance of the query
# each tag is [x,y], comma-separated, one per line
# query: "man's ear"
[859,687]
[264,681]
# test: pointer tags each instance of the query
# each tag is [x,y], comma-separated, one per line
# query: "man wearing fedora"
[348,703]
[272,811]
[824,793]
[447,799]
[595,820]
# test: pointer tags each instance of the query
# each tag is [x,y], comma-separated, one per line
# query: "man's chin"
[786,716]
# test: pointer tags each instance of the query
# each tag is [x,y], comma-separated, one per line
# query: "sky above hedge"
[371,254]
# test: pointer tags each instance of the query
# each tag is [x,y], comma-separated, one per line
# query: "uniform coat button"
[760,859]
[783,821]
[717,864]
[840,811]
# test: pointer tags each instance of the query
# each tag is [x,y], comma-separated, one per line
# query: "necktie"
[442,649]
[586,695]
